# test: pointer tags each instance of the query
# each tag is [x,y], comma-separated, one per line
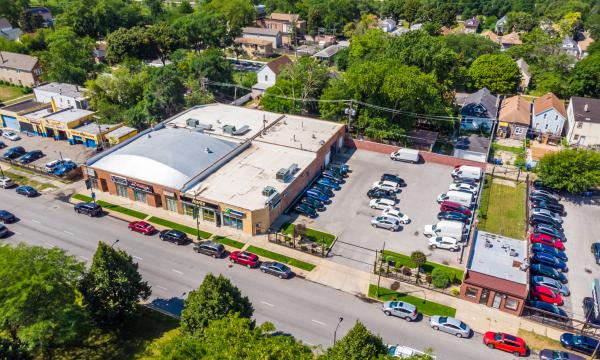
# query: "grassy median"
[229,242]
[176,226]
[112,207]
[425,307]
[281,258]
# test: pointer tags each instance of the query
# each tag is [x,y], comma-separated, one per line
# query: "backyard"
[502,208]
[8,92]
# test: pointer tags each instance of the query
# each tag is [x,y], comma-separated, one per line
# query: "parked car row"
[6,217]
[383,197]
[321,192]
[24,157]
[60,167]
[25,190]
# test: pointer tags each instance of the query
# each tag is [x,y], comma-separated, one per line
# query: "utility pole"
[379,270]
[351,112]
[336,329]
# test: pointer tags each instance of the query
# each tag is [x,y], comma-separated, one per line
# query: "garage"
[11,122]
[26,127]
[90,143]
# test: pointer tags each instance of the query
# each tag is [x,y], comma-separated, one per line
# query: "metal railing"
[300,243]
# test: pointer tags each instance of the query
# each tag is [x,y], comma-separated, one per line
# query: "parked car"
[450,325]
[466,181]
[557,208]
[316,194]
[393,178]
[244,258]
[6,182]
[596,252]
[31,156]
[539,185]
[174,236]
[14,152]
[329,183]
[2,145]
[306,210]
[313,203]
[539,211]
[88,208]
[539,247]
[456,207]
[552,284]
[405,352]
[324,189]
[11,135]
[3,231]
[589,309]
[382,204]
[535,220]
[549,194]
[276,268]
[469,188]
[551,354]
[505,342]
[546,310]
[546,239]
[444,242]
[27,191]
[545,270]
[141,227]
[64,168]
[386,185]
[541,197]
[386,222]
[579,343]
[340,169]
[453,216]
[381,194]
[50,166]
[548,230]
[210,248]
[547,295]
[400,309]
[331,175]
[541,258]
[6,217]
[395,213]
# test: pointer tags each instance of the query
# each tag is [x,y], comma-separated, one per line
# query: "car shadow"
[173,305]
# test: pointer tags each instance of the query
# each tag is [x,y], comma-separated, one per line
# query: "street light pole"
[336,329]
[113,244]
[197,215]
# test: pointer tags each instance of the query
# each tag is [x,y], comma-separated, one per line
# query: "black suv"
[210,248]
[14,152]
[174,236]
[88,208]
[31,156]
[381,194]
[393,178]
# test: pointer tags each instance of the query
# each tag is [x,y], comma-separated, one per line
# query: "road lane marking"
[84,258]
[68,232]
[268,304]
[48,244]
[162,287]
[177,271]
[136,257]
[36,221]
[318,322]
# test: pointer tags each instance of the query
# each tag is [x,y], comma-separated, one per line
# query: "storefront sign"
[140,186]
[235,213]
[169,194]
[118,180]
[199,202]
[90,172]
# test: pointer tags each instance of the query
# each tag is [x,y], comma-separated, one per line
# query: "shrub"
[440,279]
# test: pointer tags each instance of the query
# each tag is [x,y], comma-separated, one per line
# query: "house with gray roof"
[272,35]
[583,121]
[501,25]
[20,69]
[326,55]
[479,111]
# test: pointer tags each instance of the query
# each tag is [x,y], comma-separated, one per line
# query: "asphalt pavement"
[304,309]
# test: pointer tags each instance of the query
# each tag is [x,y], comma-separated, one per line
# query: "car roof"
[403,304]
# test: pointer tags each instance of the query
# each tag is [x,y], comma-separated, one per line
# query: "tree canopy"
[585,79]
[358,344]
[571,170]
[68,58]
[499,73]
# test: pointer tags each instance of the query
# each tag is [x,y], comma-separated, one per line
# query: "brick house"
[287,24]
[19,69]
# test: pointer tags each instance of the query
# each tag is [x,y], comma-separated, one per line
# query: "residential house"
[479,110]
[472,147]
[8,32]
[326,55]
[272,35]
[583,45]
[266,76]
[5,24]
[322,41]
[514,118]
[525,74]
[399,31]
[255,47]
[45,13]
[417,26]
[501,25]
[308,50]
[63,95]
[471,25]
[570,47]
[19,69]
[387,25]
[583,121]
[288,24]
[549,115]
[505,41]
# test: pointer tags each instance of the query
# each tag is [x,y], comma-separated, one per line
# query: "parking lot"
[349,215]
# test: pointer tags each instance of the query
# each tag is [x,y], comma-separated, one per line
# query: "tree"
[419,259]
[12,9]
[68,58]
[499,73]
[520,21]
[210,64]
[239,13]
[12,350]
[164,94]
[138,42]
[215,299]
[203,29]
[40,303]
[571,170]
[97,18]
[358,344]
[439,278]
[113,286]
[570,24]
[156,9]
[163,39]
[470,46]
[585,80]
[592,23]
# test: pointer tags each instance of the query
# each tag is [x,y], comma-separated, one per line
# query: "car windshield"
[497,336]
[463,326]
[443,319]
[510,337]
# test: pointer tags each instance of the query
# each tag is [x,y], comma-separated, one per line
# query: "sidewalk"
[35,177]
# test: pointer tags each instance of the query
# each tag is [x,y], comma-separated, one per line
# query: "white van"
[460,197]
[467,172]
[408,155]
[453,229]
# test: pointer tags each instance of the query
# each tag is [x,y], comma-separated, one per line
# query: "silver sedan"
[450,325]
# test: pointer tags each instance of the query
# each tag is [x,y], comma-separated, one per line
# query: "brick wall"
[425,155]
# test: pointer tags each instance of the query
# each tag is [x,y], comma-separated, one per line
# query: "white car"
[11,135]
[381,204]
[551,214]
[472,189]
[386,185]
[395,213]
[444,242]
[386,222]
[6,182]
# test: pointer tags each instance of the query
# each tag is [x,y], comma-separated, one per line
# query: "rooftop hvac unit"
[284,174]
[202,126]
[232,130]
[268,190]
[191,122]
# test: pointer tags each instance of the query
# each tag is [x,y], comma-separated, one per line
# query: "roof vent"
[268,190]
[208,150]
[586,108]
[314,136]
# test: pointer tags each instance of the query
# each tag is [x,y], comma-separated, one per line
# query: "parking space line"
[68,232]
[36,221]
[137,257]
[318,322]
[177,271]
[162,287]
[268,304]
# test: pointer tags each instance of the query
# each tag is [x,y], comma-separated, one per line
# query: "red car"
[547,240]
[456,207]
[505,342]
[142,227]
[547,295]
[244,258]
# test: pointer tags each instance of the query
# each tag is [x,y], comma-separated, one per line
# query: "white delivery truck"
[467,172]
[460,197]
[452,229]
[408,155]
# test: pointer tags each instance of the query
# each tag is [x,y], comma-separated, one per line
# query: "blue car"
[316,194]
[543,248]
[324,189]
[579,343]
[27,191]
[547,259]
[328,183]
[545,270]
[548,308]
[453,216]
[64,168]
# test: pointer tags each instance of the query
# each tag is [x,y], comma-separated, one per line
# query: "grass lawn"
[538,342]
[8,92]
[173,225]
[82,197]
[24,180]
[122,210]
[229,242]
[423,306]
[404,260]
[281,258]
[502,209]
[315,235]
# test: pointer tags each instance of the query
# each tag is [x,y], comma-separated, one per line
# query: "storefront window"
[208,215]
[471,292]
[233,222]
[171,204]
[190,210]
[139,196]
[122,191]
[93,183]
[511,304]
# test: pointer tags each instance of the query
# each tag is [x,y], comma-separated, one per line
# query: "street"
[306,310]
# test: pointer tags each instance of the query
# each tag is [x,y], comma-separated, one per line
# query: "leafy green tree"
[35,42]
[497,72]
[470,46]
[162,38]
[68,58]
[13,350]
[12,46]
[570,24]
[12,9]
[39,303]
[335,90]
[585,80]
[520,21]
[137,42]
[210,64]
[203,29]
[239,13]
[113,286]
[368,46]
[156,8]
[185,7]
[571,170]
[592,24]
[439,278]
[358,344]
[215,299]
[97,18]
[418,258]
[164,93]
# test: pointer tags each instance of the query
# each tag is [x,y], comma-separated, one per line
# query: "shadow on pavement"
[172,306]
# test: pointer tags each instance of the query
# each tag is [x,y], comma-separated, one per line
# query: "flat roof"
[167,156]
[241,181]
[300,132]
[74,91]
[120,131]
[22,106]
[498,256]
[38,114]
[95,128]
[68,115]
